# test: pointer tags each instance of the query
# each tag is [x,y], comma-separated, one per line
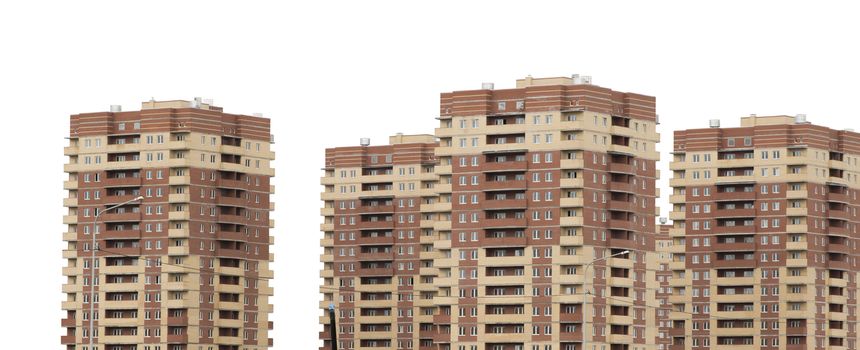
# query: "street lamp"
[587,292]
[93,264]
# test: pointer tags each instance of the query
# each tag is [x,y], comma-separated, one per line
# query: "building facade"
[764,236]
[536,210]
[663,243]
[542,180]
[378,247]
[187,266]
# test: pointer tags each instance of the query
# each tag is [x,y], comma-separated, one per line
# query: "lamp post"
[93,264]
[587,292]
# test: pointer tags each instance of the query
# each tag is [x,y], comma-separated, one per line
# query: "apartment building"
[378,246]
[663,243]
[535,184]
[187,266]
[764,236]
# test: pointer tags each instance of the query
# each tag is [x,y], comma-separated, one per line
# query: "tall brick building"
[764,236]
[186,267]
[378,249]
[528,187]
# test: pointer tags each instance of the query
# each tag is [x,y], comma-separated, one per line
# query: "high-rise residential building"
[187,266]
[662,290]
[765,236]
[552,193]
[378,247]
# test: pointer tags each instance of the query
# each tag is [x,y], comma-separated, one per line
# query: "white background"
[330,72]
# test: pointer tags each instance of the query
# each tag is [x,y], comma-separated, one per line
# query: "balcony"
[178,215]
[570,221]
[838,197]
[124,251]
[116,199]
[505,204]
[376,240]
[796,194]
[178,233]
[734,263]
[114,216]
[572,164]
[735,213]
[230,219]
[180,250]
[179,180]
[838,214]
[796,262]
[572,183]
[734,196]
[800,228]
[505,166]
[621,168]
[797,211]
[621,224]
[372,209]
[506,222]
[379,271]
[504,241]
[571,240]
[619,205]
[504,185]
[616,186]
[677,215]
[734,246]
[371,256]
[67,339]
[839,248]
[228,183]
[734,229]
[571,202]
[380,225]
